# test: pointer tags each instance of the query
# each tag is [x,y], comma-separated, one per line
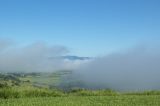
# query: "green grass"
[31,96]
[28,91]
[122,100]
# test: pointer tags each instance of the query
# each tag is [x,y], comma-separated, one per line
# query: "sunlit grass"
[84,101]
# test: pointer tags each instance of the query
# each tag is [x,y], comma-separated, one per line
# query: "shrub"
[9,93]
[86,92]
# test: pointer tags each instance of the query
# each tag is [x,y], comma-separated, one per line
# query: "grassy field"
[80,97]
[44,80]
[122,100]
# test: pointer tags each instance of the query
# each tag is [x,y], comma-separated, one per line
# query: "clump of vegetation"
[3,84]
[20,92]
[152,92]
[87,92]
[40,92]
[8,80]
[9,93]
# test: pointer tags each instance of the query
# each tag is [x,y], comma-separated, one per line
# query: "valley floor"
[123,100]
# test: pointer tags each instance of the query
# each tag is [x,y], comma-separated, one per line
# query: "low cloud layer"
[32,58]
[134,69]
[4,44]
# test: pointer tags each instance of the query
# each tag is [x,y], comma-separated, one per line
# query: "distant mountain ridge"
[70,57]
[75,58]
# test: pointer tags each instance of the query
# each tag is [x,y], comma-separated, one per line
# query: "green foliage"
[122,100]
[85,92]
[28,92]
[9,93]
[3,84]
[152,92]
[8,80]
[42,93]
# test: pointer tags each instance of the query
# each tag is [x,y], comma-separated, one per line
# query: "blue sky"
[86,27]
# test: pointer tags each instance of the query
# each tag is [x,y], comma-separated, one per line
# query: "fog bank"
[133,69]
[33,58]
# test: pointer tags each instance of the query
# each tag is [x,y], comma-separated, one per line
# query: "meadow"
[78,97]
[84,101]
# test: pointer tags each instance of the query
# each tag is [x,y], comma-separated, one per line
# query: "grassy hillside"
[39,80]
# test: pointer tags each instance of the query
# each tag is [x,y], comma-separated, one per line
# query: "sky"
[86,27]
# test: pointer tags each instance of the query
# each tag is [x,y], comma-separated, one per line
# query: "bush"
[85,92]
[18,92]
[6,93]
[42,93]
[3,85]
[143,93]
